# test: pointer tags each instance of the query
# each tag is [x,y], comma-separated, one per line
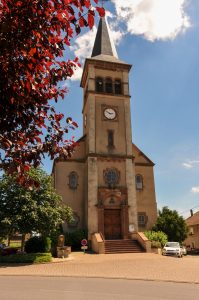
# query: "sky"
[160,38]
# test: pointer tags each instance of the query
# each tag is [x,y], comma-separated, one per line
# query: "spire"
[103,42]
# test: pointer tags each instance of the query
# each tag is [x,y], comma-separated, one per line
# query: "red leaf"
[81,22]
[75,124]
[28,86]
[26,168]
[90,20]
[37,139]
[69,120]
[33,51]
[101,11]
[87,3]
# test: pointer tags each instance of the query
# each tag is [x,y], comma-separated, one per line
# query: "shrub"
[73,239]
[27,258]
[158,238]
[155,244]
[38,245]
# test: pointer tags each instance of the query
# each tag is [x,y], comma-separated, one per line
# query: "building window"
[139,182]
[110,139]
[73,180]
[111,176]
[118,87]
[109,85]
[99,85]
[142,219]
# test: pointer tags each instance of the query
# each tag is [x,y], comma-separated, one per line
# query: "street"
[51,288]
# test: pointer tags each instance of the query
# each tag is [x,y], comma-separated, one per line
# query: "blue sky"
[160,38]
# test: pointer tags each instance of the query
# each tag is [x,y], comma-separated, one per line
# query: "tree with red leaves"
[33,37]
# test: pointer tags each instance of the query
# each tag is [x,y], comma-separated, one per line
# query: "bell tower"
[111,196]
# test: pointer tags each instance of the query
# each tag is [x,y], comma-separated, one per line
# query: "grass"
[34,258]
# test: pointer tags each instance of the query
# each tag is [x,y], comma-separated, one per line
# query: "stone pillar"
[92,196]
[127,110]
[91,124]
[125,221]
[101,220]
[130,182]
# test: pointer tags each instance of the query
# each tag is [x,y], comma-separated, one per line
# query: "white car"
[184,250]
[172,248]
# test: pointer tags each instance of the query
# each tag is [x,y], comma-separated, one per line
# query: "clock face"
[110,113]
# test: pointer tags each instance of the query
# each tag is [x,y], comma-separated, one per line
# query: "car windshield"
[172,244]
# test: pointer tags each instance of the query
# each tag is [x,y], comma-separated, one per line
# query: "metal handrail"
[102,236]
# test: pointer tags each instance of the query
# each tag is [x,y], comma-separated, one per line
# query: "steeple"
[104,51]
[104,48]
[103,42]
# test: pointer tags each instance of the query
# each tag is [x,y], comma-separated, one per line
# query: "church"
[108,181]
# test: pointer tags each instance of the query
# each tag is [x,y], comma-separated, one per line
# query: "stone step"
[122,246]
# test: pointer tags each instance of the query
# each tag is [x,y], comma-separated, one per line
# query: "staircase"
[122,246]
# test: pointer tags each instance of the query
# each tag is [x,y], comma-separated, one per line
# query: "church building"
[108,181]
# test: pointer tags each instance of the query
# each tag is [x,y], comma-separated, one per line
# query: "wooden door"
[112,224]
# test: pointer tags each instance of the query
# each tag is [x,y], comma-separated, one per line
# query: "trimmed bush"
[73,239]
[38,245]
[158,239]
[27,258]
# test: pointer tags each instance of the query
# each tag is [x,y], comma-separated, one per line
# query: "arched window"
[99,85]
[118,87]
[139,182]
[109,85]
[73,180]
[110,139]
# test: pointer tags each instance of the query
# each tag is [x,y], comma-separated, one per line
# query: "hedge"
[34,258]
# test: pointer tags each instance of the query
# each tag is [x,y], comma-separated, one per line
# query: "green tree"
[34,209]
[171,224]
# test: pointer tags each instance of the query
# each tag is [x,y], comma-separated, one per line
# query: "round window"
[111,176]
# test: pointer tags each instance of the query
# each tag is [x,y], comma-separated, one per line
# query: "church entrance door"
[112,224]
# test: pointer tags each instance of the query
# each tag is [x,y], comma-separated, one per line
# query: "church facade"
[108,181]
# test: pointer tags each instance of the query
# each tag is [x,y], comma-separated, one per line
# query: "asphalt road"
[51,288]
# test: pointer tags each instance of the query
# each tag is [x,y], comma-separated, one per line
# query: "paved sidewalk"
[146,266]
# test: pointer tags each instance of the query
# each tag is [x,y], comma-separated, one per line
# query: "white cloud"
[190,164]
[154,19]
[187,165]
[195,189]
[84,44]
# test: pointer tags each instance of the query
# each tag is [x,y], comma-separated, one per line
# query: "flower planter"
[156,250]
[63,252]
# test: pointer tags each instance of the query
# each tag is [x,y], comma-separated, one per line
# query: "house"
[192,241]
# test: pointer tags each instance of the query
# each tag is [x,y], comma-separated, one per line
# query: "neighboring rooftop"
[193,220]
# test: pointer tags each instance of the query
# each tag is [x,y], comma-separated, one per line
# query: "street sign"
[84,242]
[84,247]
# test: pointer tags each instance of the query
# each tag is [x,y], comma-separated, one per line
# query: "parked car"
[184,250]
[172,248]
